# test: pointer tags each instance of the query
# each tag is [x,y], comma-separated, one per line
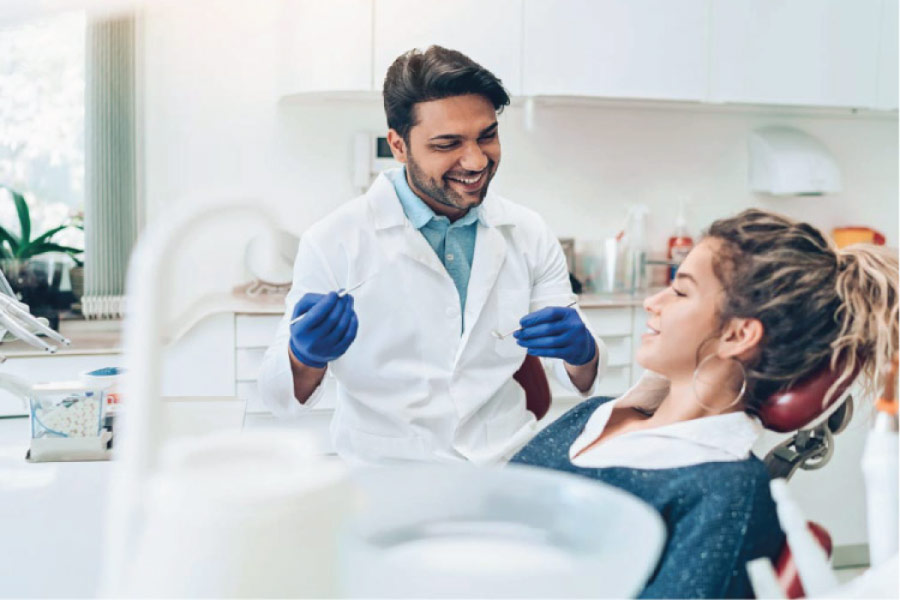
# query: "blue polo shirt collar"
[419,213]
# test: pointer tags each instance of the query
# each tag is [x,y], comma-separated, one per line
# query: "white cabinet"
[488,32]
[614,48]
[833,53]
[615,325]
[326,46]
[887,57]
[253,333]
[803,52]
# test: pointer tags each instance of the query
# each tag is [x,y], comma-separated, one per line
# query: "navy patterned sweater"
[718,515]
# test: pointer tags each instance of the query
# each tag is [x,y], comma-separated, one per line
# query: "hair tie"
[843,260]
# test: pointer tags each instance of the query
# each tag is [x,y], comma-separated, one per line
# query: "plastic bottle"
[880,468]
[635,246]
[680,244]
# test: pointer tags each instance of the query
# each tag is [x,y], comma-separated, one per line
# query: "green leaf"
[10,239]
[24,215]
[48,234]
[36,249]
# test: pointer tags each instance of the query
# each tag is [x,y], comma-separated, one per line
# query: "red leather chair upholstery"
[786,570]
[797,407]
[533,380]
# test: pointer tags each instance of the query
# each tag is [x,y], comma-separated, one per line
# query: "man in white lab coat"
[445,266]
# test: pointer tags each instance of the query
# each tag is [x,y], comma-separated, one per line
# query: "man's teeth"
[466,181]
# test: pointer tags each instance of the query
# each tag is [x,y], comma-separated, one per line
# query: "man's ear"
[398,146]
[740,338]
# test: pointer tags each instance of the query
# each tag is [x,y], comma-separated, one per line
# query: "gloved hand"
[557,332]
[326,331]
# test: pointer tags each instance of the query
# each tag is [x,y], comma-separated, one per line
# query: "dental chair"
[792,410]
[808,449]
[533,379]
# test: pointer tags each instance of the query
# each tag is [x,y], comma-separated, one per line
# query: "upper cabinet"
[488,32]
[805,52]
[326,46]
[616,48]
[823,53]
[887,57]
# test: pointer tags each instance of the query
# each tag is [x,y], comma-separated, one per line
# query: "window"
[68,140]
[42,82]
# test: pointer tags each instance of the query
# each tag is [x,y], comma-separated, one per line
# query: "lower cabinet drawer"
[255,331]
[616,381]
[619,350]
[609,321]
[247,362]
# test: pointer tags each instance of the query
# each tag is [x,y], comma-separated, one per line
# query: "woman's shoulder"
[723,487]
[737,475]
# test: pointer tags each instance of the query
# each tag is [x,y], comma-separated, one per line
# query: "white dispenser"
[789,162]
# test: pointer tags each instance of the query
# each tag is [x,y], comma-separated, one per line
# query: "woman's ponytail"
[867,317]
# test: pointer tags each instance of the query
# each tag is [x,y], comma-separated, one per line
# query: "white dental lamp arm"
[23,325]
[20,312]
[139,435]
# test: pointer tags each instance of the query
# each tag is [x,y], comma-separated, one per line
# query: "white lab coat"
[410,387]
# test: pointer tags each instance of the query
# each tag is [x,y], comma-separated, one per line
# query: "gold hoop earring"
[733,402]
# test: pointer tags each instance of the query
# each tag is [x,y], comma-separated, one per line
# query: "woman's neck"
[681,404]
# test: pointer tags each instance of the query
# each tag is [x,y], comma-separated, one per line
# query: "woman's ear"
[398,146]
[740,339]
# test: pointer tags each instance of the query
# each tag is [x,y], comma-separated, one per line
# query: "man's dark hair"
[436,73]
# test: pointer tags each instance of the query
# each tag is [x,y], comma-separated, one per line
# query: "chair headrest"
[801,404]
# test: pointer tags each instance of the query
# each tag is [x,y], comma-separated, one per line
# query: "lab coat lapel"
[396,234]
[490,254]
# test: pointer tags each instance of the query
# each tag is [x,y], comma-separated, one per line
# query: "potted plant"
[35,280]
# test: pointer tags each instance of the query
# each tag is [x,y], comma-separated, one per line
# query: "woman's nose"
[653,303]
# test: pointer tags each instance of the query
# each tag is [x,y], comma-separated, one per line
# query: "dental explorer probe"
[340,294]
[501,336]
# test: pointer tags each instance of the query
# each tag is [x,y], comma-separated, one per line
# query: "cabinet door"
[616,48]
[490,33]
[806,52]
[887,57]
[326,46]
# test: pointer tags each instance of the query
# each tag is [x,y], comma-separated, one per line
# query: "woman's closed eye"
[678,293]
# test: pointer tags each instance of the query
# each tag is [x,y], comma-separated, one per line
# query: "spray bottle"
[880,468]
[680,244]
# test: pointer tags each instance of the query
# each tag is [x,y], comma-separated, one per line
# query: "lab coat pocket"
[386,448]
[512,305]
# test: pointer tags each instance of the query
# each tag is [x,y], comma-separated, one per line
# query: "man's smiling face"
[452,153]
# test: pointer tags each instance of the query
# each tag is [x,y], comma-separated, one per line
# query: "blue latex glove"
[557,332]
[326,331]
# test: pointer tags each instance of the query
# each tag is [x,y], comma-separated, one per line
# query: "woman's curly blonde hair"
[818,305]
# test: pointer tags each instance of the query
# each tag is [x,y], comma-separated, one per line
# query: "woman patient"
[761,302]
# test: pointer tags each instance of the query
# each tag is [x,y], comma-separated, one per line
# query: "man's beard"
[441,191]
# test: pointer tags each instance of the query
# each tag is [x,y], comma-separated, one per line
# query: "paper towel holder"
[788,162]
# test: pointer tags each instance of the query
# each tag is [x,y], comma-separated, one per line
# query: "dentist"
[420,375]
